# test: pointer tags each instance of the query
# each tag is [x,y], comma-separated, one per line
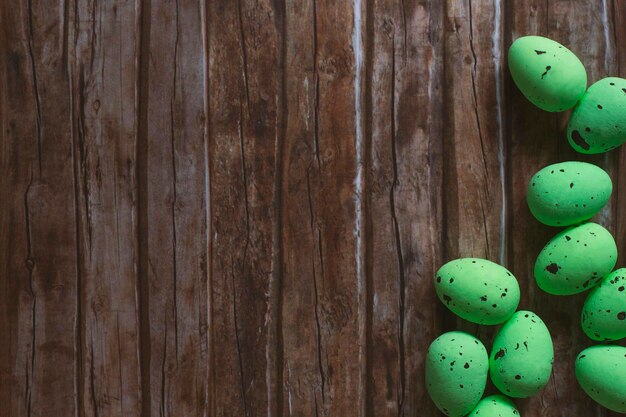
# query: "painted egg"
[522,355]
[495,406]
[456,372]
[568,193]
[477,290]
[604,312]
[598,122]
[601,372]
[575,259]
[548,74]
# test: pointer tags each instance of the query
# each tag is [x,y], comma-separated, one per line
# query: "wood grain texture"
[236,207]
[103,127]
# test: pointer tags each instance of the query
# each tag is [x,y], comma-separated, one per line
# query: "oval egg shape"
[522,355]
[495,406]
[598,122]
[575,259]
[568,193]
[456,372]
[601,372]
[548,74]
[604,312]
[478,290]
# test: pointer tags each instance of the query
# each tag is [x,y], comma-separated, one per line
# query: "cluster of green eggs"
[580,257]
[457,363]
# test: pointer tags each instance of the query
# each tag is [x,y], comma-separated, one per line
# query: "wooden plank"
[473,130]
[305,358]
[323,273]
[18,164]
[41,326]
[404,201]
[246,66]
[103,88]
[419,207]
[172,139]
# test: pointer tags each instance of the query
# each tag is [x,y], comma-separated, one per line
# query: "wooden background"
[236,208]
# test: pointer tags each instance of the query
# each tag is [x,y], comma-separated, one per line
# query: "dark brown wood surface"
[236,207]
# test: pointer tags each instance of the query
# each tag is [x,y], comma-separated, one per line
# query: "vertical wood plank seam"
[174,184]
[77,163]
[608,49]
[209,394]
[497,62]
[318,244]
[241,135]
[617,50]
[445,249]
[506,128]
[31,261]
[142,58]
[396,227]
[276,370]
[240,131]
[359,218]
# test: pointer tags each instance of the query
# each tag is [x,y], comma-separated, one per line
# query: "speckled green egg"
[604,312]
[547,73]
[495,406]
[522,355]
[477,290]
[568,193]
[456,372]
[601,372]
[575,259]
[598,122]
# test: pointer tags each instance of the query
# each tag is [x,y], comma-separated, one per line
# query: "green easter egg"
[548,74]
[477,290]
[522,355]
[575,259]
[456,372]
[601,372]
[604,312]
[568,193]
[598,122]
[495,406]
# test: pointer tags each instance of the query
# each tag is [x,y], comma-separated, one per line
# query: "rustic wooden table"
[235,208]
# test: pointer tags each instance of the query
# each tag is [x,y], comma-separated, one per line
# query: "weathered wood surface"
[235,208]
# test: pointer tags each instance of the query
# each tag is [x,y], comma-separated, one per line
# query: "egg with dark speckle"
[601,372]
[548,74]
[477,290]
[521,358]
[575,259]
[456,372]
[568,193]
[604,312]
[598,122]
[495,406]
